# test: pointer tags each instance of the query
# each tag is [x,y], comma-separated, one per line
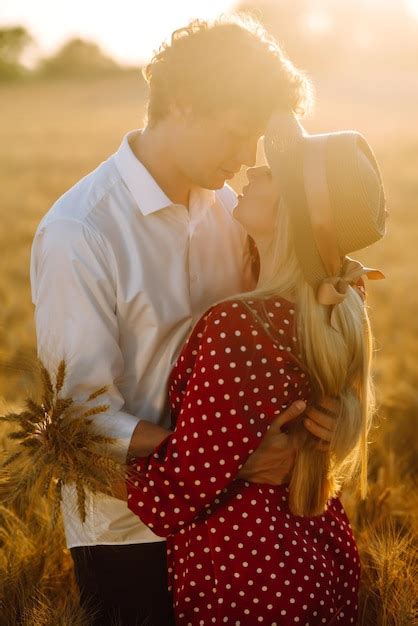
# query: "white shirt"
[119,276]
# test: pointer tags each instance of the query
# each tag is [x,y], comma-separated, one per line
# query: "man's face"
[210,150]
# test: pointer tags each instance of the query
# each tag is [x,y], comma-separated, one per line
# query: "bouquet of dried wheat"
[56,445]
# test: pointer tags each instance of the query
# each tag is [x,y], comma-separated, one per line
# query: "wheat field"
[53,133]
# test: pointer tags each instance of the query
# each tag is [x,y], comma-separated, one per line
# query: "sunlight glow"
[318,22]
[412,7]
[129,30]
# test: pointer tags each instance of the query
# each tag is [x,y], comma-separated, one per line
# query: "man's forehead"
[243,121]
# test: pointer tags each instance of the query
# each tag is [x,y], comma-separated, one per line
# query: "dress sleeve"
[214,433]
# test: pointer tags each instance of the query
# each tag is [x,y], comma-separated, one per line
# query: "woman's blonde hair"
[338,361]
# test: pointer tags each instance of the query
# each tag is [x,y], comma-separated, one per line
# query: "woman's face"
[256,209]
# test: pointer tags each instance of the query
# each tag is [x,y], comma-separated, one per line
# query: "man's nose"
[248,154]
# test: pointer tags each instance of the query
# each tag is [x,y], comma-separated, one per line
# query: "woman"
[245,553]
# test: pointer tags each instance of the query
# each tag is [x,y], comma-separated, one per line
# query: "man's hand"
[273,460]
[145,438]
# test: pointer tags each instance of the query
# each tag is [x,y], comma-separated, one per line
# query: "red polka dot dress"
[235,553]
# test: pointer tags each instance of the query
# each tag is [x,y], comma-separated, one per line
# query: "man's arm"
[145,438]
[74,293]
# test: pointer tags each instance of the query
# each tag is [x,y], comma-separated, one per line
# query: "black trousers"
[126,585]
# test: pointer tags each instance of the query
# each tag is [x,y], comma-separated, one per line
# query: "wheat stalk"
[390,573]
[56,445]
[35,567]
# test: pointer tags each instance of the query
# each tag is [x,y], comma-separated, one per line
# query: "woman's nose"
[251,173]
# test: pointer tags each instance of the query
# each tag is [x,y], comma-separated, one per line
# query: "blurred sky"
[128,29]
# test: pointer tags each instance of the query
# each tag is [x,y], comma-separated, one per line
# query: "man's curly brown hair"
[229,63]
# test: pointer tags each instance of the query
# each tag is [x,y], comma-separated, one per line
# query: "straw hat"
[333,188]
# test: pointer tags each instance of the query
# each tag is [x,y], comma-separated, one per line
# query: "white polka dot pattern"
[235,553]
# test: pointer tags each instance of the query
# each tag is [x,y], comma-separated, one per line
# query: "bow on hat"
[333,289]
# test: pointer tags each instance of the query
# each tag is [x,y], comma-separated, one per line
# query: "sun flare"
[412,6]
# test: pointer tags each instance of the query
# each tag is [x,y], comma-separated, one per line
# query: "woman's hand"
[321,421]
[273,460]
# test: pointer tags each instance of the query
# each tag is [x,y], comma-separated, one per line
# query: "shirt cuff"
[119,426]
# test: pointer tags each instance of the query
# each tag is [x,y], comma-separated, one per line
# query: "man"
[128,259]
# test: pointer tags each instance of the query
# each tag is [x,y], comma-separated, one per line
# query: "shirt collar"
[147,193]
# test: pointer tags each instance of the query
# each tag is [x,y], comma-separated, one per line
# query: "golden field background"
[55,132]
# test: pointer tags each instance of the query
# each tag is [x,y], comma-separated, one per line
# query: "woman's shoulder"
[239,308]
[227,313]
[242,314]
[220,321]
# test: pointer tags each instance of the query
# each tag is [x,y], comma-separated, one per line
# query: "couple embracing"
[233,336]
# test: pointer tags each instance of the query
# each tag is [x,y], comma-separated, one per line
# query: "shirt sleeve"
[73,290]
[214,433]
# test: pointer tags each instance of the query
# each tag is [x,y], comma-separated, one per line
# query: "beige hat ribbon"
[333,289]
